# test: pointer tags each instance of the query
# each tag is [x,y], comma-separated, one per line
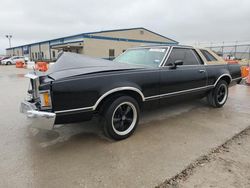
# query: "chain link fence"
[238,50]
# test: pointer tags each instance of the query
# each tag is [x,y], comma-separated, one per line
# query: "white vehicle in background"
[30,65]
[12,60]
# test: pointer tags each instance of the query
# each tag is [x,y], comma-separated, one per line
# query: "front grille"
[33,91]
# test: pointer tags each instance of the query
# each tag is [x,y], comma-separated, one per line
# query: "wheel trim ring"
[225,94]
[132,125]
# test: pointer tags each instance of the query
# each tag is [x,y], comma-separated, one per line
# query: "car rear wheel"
[121,118]
[218,96]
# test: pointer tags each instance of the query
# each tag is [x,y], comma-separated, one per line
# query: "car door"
[14,60]
[186,78]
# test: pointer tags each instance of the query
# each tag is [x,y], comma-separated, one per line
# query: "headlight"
[45,99]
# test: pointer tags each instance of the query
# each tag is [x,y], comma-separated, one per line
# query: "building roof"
[135,28]
[89,35]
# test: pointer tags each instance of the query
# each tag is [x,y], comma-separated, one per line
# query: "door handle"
[201,71]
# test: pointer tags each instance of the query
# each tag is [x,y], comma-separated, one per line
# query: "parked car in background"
[3,58]
[78,87]
[12,60]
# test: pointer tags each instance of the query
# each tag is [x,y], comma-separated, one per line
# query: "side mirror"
[176,63]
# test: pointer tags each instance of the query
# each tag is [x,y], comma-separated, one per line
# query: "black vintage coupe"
[78,87]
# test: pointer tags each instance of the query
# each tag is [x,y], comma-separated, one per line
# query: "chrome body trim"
[35,84]
[118,89]
[236,79]
[166,59]
[37,119]
[183,47]
[178,92]
[91,108]
[75,109]
[218,79]
[166,53]
[31,76]
[188,90]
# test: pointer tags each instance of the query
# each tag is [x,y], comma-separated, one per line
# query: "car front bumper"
[38,119]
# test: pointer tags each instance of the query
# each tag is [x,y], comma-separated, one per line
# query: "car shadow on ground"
[94,129]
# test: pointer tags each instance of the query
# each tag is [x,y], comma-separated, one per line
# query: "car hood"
[72,64]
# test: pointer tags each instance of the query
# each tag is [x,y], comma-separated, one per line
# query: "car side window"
[208,56]
[188,56]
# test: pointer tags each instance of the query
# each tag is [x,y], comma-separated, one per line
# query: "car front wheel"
[121,118]
[218,96]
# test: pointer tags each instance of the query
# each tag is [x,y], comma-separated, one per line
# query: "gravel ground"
[226,166]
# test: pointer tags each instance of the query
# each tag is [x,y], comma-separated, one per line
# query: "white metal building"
[102,44]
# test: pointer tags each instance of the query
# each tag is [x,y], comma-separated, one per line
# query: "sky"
[187,21]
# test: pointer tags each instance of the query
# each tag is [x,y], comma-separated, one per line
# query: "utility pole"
[235,49]
[222,49]
[9,37]
[249,56]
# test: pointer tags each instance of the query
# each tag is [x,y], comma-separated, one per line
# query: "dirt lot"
[77,155]
[227,166]
[230,168]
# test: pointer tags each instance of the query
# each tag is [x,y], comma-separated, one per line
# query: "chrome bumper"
[38,119]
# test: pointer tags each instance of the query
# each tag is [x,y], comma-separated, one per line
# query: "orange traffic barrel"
[19,64]
[244,71]
[229,61]
[25,65]
[248,77]
[41,66]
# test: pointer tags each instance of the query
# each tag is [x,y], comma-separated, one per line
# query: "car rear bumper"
[38,119]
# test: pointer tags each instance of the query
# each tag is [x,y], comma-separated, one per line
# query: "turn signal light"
[45,99]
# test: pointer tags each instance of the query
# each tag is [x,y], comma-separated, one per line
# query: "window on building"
[111,53]
[53,54]
[36,55]
[208,56]
[17,52]
[42,54]
[188,56]
[32,55]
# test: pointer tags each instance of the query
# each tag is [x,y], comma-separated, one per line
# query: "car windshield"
[149,57]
